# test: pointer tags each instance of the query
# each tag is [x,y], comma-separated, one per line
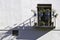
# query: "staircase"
[7,30]
[26,26]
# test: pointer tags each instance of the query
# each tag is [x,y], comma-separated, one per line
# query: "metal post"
[30,22]
[23,26]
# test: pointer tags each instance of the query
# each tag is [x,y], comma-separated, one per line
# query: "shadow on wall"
[31,34]
[28,33]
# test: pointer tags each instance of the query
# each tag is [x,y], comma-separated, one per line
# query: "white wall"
[10,12]
[16,11]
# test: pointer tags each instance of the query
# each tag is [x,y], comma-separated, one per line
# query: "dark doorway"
[44,14]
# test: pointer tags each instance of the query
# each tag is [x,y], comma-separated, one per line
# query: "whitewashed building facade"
[17,11]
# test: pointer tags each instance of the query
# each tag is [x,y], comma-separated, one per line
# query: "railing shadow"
[31,34]
[6,34]
[27,33]
[9,32]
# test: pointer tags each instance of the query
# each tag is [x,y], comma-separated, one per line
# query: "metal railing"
[28,22]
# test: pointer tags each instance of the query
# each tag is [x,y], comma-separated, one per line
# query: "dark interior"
[44,14]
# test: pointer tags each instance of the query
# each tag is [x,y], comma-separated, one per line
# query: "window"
[15,32]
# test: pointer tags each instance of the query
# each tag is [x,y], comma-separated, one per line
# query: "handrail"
[26,20]
[22,22]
